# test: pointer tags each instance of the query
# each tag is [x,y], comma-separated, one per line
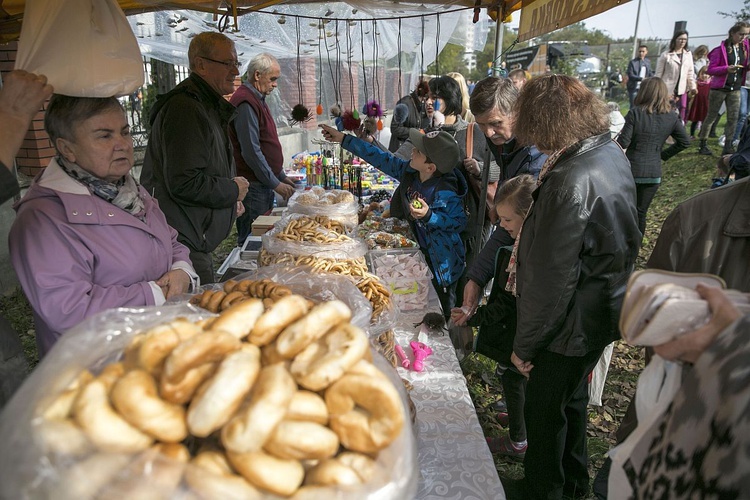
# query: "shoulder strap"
[470,140]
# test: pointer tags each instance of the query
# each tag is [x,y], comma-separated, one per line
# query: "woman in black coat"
[647,126]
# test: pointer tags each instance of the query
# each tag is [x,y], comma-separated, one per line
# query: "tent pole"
[635,32]
[499,28]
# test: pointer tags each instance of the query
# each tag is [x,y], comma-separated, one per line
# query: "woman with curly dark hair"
[569,270]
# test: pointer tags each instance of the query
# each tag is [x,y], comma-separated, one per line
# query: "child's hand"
[330,134]
[418,208]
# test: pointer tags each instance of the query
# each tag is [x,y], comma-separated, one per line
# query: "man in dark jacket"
[638,69]
[491,104]
[189,166]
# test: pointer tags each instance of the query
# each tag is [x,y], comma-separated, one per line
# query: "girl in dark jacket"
[647,127]
[497,319]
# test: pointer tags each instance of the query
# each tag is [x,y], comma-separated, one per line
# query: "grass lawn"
[684,175]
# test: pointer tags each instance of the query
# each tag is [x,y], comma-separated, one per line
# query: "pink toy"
[402,356]
[421,351]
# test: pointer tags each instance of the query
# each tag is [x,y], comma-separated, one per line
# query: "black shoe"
[703,149]
[499,406]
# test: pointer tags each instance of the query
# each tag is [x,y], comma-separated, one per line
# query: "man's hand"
[243,185]
[284,190]
[523,366]
[689,346]
[240,208]
[330,134]
[469,305]
[174,283]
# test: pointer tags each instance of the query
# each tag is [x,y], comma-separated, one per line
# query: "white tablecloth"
[454,459]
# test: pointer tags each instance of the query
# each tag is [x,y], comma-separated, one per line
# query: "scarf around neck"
[122,193]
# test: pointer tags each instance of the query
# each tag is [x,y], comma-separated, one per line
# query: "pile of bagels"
[278,399]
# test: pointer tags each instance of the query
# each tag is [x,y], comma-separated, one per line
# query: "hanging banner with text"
[542,16]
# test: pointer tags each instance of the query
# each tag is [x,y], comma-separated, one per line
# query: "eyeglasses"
[230,65]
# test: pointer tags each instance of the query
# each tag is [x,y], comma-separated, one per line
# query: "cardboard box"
[263,224]
[278,210]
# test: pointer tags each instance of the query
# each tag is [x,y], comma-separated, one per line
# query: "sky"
[657,19]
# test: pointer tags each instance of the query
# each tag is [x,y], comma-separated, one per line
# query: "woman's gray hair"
[64,113]
[262,63]
[493,93]
[203,43]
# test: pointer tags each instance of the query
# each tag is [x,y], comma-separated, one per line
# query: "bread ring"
[182,391]
[136,398]
[366,412]
[269,400]
[324,361]
[220,396]
[229,298]
[110,374]
[277,317]
[338,471]
[311,327]
[62,437]
[240,319]
[243,285]
[276,475]
[60,407]
[101,423]
[85,478]
[206,298]
[307,406]
[162,464]
[270,356]
[211,477]
[302,441]
[229,286]
[215,302]
[157,343]
[207,347]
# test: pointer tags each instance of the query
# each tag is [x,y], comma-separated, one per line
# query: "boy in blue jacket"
[433,191]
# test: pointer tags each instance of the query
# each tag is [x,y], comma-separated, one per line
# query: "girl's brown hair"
[653,96]
[556,111]
[517,193]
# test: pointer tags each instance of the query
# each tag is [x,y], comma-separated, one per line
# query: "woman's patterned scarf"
[122,193]
[549,164]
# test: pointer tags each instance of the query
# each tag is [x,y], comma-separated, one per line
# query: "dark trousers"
[514,389]
[447,297]
[631,96]
[258,200]
[644,196]
[204,266]
[13,364]
[556,397]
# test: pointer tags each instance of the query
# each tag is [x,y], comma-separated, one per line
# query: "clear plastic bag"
[85,47]
[28,471]
[337,204]
[346,248]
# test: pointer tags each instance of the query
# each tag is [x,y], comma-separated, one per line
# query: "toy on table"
[421,351]
[402,356]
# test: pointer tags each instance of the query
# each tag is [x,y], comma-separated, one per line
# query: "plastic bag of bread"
[174,402]
[337,204]
[299,280]
[300,234]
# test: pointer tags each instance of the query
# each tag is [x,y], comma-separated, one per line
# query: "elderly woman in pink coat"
[87,237]
[676,68]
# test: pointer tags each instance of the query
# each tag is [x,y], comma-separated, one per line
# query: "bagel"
[243,286]
[366,412]
[276,475]
[208,347]
[205,298]
[230,299]
[302,441]
[229,286]
[278,316]
[136,398]
[215,301]
[62,437]
[240,319]
[211,477]
[103,426]
[307,406]
[162,466]
[110,374]
[346,469]
[60,407]
[324,361]
[85,478]
[269,400]
[182,392]
[220,396]
[311,327]
[156,344]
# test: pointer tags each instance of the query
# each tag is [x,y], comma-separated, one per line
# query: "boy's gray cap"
[439,146]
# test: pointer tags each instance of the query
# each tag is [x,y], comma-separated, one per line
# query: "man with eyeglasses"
[727,64]
[257,150]
[189,165]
